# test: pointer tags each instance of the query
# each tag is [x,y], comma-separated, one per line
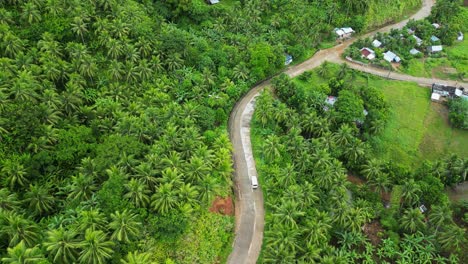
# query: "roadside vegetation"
[306,149]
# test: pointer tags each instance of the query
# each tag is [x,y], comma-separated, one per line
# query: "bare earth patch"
[222,206]
[354,179]
[372,231]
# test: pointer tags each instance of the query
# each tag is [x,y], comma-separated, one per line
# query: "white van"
[254,182]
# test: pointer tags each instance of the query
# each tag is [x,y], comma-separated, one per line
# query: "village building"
[212,2]
[434,38]
[410,31]
[441,93]
[367,53]
[376,43]
[414,51]
[434,49]
[460,36]
[288,59]
[418,40]
[391,57]
[435,25]
[343,33]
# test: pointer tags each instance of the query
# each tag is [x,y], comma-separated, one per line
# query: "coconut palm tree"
[79,26]
[412,220]
[62,245]
[146,174]
[125,226]
[8,200]
[137,257]
[287,213]
[39,199]
[20,254]
[165,198]
[452,238]
[95,249]
[92,219]
[31,13]
[440,215]
[137,192]
[18,229]
[81,188]
[411,192]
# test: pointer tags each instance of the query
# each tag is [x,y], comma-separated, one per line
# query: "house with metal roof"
[434,38]
[391,57]
[367,53]
[212,2]
[434,49]
[376,43]
[344,32]
[414,51]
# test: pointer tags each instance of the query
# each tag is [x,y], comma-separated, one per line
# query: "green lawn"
[418,129]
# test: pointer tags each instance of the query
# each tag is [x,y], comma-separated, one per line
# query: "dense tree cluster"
[314,214]
[458,113]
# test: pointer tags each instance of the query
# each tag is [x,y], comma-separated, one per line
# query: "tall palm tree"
[81,188]
[411,192]
[14,173]
[18,229]
[137,192]
[8,200]
[39,199]
[372,169]
[412,220]
[207,188]
[125,225]
[20,254]
[95,249]
[440,215]
[197,169]
[287,213]
[92,220]
[146,174]
[12,45]
[452,238]
[137,257]
[165,198]
[188,194]
[31,13]
[62,245]
[79,26]
[381,183]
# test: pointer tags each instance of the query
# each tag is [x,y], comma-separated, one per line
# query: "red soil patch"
[354,179]
[222,206]
[372,230]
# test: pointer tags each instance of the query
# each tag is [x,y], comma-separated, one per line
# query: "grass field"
[417,128]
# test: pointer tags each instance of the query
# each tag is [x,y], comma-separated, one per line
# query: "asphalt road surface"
[249,202]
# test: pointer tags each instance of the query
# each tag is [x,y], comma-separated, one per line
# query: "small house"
[441,92]
[376,43]
[212,2]
[460,36]
[435,25]
[288,59]
[367,53]
[434,38]
[414,51]
[434,49]
[329,102]
[410,31]
[435,97]
[343,33]
[418,40]
[391,57]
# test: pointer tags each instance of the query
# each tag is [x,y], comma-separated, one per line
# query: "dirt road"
[249,202]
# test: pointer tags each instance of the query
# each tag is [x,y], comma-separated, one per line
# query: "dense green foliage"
[304,148]
[112,115]
[458,113]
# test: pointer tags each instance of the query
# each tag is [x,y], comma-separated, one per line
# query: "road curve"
[249,202]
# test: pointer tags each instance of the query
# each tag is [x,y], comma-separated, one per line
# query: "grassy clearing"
[449,67]
[417,129]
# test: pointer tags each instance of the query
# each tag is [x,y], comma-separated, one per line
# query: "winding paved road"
[249,202]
